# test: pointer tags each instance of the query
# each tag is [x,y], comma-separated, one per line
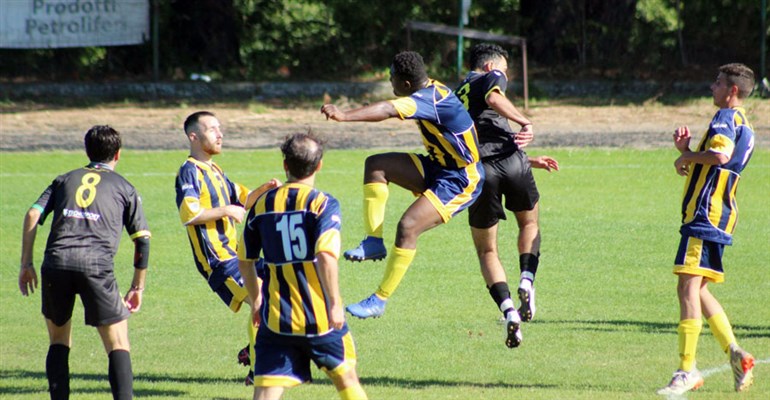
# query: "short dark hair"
[741,76]
[191,123]
[483,53]
[409,66]
[302,153]
[102,143]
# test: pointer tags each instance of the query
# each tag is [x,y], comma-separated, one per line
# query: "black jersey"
[90,206]
[495,133]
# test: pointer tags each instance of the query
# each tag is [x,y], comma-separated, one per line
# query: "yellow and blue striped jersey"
[447,129]
[201,186]
[709,208]
[289,225]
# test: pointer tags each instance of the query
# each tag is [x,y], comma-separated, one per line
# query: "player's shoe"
[371,248]
[743,364]
[512,330]
[249,381]
[683,382]
[369,307]
[243,356]
[527,298]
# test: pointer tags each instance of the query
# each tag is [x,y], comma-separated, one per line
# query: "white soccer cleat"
[682,382]
[742,363]
[513,335]
[527,297]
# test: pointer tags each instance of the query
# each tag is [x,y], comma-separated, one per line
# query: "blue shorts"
[449,190]
[231,291]
[700,257]
[284,360]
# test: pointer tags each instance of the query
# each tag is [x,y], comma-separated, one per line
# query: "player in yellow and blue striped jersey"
[447,180]
[709,215]
[296,229]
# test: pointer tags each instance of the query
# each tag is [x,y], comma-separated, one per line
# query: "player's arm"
[252,284]
[254,194]
[27,274]
[133,298]
[328,275]
[498,102]
[708,157]
[233,211]
[379,111]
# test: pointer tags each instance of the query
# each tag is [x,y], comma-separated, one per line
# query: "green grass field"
[607,308]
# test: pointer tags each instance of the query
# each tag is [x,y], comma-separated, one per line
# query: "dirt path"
[35,127]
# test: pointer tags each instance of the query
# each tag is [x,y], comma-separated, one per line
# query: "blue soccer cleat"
[369,307]
[371,248]
[243,356]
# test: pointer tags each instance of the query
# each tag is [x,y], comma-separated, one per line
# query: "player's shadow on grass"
[9,377]
[426,383]
[744,331]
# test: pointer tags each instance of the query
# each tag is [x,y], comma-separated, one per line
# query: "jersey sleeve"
[239,193]
[250,244]
[328,227]
[722,133]
[133,216]
[494,81]
[44,203]
[188,193]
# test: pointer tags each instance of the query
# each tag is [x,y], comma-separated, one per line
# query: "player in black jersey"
[509,174]
[90,207]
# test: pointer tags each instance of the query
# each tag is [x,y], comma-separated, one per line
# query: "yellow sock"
[398,263]
[689,331]
[353,393]
[252,337]
[375,198]
[722,330]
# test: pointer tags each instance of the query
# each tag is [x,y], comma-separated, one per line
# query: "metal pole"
[460,39]
[524,72]
[763,43]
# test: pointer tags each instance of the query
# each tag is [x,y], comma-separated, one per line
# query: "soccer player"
[90,207]
[209,206]
[296,228]
[447,179]
[709,215]
[508,173]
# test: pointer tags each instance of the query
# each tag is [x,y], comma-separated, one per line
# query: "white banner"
[35,24]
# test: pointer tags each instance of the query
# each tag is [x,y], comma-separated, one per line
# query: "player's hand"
[525,136]
[273,183]
[682,139]
[133,300]
[235,212]
[332,112]
[682,166]
[27,280]
[337,316]
[544,162]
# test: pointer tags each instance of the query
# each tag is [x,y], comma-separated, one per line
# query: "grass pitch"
[607,309]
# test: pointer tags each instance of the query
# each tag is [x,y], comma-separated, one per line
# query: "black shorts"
[509,176]
[98,292]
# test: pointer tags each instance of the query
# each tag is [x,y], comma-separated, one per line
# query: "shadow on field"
[744,331]
[426,383]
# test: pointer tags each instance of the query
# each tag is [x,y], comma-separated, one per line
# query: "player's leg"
[335,354]
[268,392]
[58,301]
[485,241]
[348,386]
[233,294]
[116,344]
[529,259]
[379,171]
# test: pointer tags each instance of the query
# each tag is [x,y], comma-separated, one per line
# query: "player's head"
[102,143]
[407,73]
[490,56]
[203,130]
[302,154]
[740,76]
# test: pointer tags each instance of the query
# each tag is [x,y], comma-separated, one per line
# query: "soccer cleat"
[742,363]
[243,356]
[527,298]
[249,381]
[512,330]
[371,248]
[371,306]
[683,382]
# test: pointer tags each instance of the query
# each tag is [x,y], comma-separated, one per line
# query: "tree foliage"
[350,39]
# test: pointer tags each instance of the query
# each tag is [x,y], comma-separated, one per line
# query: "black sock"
[499,292]
[121,376]
[528,263]
[57,369]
